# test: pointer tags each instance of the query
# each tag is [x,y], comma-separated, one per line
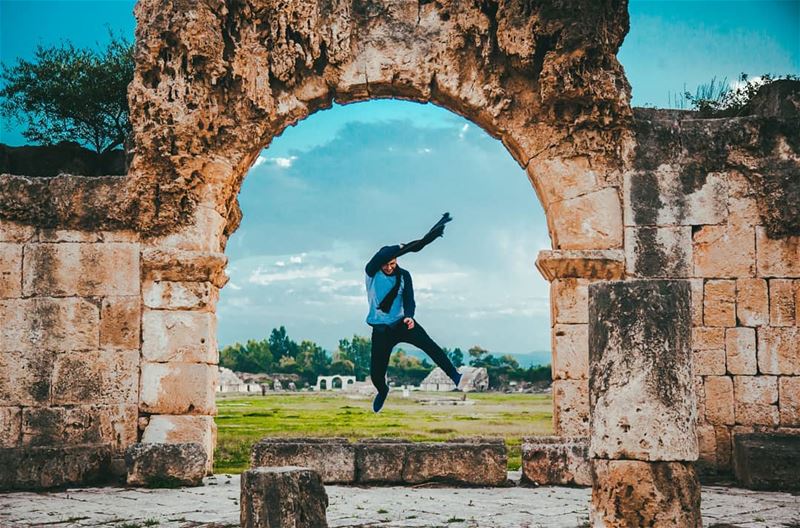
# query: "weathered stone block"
[178,388]
[756,399]
[562,178]
[120,319]
[203,233]
[767,461]
[719,400]
[477,462]
[333,458]
[174,295]
[65,269]
[708,338]
[69,235]
[10,426]
[658,251]
[719,303]
[779,350]
[48,324]
[752,302]
[777,257]
[603,264]
[569,301]
[697,301]
[179,336]
[655,494]
[171,429]
[45,467]
[556,460]
[740,350]
[724,251]
[165,465]
[10,270]
[42,426]
[282,497]
[709,362]
[724,447]
[789,400]
[25,377]
[589,221]
[570,351]
[571,407]
[782,302]
[163,264]
[641,380]
[106,376]
[380,460]
[16,232]
[114,425]
[707,446]
[662,197]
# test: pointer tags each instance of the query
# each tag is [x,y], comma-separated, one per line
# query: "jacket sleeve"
[409,306]
[380,258]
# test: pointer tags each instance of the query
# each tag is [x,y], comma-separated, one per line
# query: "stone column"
[179,345]
[570,272]
[642,405]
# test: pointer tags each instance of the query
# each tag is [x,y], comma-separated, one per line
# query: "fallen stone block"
[473,462]
[332,458]
[282,497]
[764,461]
[556,460]
[31,468]
[160,465]
[380,461]
[653,494]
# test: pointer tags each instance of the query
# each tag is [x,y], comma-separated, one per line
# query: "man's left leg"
[418,337]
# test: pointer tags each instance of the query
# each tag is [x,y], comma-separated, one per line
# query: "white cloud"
[284,162]
[297,259]
[266,277]
[463,131]
[234,286]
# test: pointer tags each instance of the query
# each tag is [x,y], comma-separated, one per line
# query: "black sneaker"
[377,403]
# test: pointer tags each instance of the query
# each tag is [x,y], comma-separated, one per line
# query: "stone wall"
[714,202]
[70,309]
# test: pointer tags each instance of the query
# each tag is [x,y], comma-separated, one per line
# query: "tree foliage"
[71,94]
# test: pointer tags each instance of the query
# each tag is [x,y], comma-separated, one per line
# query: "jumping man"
[391,312]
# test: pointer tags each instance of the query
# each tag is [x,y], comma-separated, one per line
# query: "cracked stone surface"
[216,505]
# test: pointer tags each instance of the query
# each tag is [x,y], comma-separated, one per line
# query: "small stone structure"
[641,390]
[767,461]
[556,460]
[473,379]
[466,461]
[282,497]
[328,383]
[166,465]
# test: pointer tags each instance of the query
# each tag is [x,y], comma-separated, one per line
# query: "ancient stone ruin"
[108,284]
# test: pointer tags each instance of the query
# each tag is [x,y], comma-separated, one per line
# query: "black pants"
[385,337]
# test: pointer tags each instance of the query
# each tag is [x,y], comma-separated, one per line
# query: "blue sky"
[331,190]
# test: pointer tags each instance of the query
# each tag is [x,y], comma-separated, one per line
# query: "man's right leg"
[382,344]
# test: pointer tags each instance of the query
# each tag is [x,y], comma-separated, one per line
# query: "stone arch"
[337,383]
[215,82]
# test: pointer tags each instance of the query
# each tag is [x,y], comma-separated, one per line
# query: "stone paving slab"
[216,505]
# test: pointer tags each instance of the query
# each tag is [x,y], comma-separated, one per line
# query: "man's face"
[389,267]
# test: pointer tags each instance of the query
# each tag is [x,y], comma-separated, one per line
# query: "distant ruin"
[109,283]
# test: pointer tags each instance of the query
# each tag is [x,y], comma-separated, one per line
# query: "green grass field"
[243,420]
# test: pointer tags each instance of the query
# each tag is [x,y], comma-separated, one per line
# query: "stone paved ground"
[216,505]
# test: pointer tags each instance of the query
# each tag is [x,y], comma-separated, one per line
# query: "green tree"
[281,345]
[358,351]
[67,93]
[480,357]
[254,356]
[456,356]
[343,367]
